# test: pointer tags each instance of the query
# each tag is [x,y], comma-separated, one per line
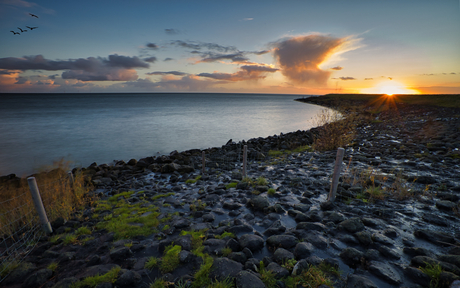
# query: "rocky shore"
[397,209]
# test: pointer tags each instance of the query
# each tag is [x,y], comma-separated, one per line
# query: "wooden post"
[245,159]
[39,205]
[70,177]
[203,163]
[336,175]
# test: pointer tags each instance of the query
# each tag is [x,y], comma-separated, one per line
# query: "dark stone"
[351,256]
[303,250]
[120,254]
[352,225]
[127,278]
[283,241]
[245,279]
[417,276]
[359,281]
[38,278]
[385,272]
[279,271]
[65,283]
[252,242]
[238,257]
[436,237]
[281,255]
[364,237]
[223,268]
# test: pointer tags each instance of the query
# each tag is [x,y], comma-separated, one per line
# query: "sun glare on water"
[389,88]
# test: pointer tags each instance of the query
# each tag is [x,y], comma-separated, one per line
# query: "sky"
[281,47]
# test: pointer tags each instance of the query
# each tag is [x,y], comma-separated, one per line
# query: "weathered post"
[203,163]
[336,175]
[245,159]
[39,205]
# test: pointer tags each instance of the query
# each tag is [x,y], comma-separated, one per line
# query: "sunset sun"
[390,88]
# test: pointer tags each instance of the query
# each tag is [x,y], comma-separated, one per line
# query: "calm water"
[37,129]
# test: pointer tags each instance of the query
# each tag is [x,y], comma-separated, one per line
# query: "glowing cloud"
[299,57]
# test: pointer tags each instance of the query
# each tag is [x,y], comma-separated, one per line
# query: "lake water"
[37,129]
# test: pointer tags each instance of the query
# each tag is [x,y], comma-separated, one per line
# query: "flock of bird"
[25,30]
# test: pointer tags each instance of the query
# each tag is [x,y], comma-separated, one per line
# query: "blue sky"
[305,47]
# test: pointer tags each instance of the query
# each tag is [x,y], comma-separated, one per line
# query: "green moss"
[93,281]
[7,267]
[225,234]
[271,191]
[70,239]
[262,181]
[115,197]
[226,251]
[197,238]
[53,266]
[170,260]
[156,197]
[130,220]
[151,263]
[192,181]
[83,231]
[197,206]
[202,275]
[231,185]
[159,283]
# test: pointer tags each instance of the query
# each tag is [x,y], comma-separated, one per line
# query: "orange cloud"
[299,57]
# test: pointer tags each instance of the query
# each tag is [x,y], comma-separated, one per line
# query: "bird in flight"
[15,32]
[22,30]
[33,15]
[31,28]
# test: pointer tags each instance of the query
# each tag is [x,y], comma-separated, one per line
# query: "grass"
[197,206]
[225,234]
[201,276]
[151,263]
[156,197]
[193,181]
[434,271]
[231,185]
[271,192]
[267,276]
[170,260]
[61,197]
[53,266]
[8,266]
[129,220]
[93,281]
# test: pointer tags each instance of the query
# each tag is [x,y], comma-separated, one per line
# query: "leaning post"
[39,205]
[203,163]
[245,159]
[336,175]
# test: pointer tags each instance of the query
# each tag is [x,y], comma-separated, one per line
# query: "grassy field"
[446,100]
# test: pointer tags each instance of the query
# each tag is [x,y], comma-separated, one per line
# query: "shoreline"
[374,241]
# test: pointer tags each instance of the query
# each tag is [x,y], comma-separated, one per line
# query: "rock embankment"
[397,209]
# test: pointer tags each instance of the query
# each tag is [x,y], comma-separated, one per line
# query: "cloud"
[368,78]
[336,68]
[152,46]
[177,73]
[248,72]
[150,59]
[202,45]
[261,52]
[186,83]
[347,78]
[172,31]
[213,57]
[248,19]
[114,68]
[53,76]
[168,59]
[299,57]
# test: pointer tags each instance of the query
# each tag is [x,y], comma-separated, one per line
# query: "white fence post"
[203,163]
[245,159]
[39,205]
[336,175]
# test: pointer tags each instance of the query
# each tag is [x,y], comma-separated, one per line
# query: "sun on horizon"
[389,88]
